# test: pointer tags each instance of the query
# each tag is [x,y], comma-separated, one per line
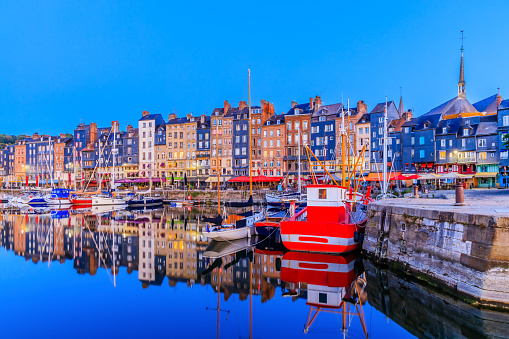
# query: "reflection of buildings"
[156,244]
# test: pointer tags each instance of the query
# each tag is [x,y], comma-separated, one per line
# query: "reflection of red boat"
[332,222]
[333,283]
[319,269]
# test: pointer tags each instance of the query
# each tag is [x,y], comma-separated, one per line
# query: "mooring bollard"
[460,195]
[416,191]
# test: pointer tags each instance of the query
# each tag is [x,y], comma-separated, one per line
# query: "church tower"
[461,82]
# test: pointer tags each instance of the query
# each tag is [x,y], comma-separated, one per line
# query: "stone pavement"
[493,202]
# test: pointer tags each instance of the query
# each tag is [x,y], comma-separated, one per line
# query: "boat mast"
[250,141]
[114,151]
[217,168]
[348,134]
[74,165]
[298,159]
[384,164]
[343,149]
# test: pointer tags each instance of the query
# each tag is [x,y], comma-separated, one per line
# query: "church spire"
[401,108]
[461,82]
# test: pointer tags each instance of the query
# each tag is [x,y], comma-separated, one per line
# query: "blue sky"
[69,61]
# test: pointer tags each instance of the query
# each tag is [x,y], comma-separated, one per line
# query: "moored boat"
[331,222]
[235,227]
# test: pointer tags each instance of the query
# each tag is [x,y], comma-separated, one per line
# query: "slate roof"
[328,110]
[133,131]
[149,117]
[504,104]
[397,124]
[454,106]
[411,122]
[364,119]
[487,128]
[305,108]
[432,119]
[273,120]
[472,128]
[380,107]
[452,125]
[488,105]
[177,121]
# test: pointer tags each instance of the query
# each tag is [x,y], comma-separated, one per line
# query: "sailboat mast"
[348,133]
[74,165]
[114,156]
[343,148]
[249,139]
[384,189]
[217,168]
[298,159]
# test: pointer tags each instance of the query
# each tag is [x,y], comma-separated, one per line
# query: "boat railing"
[300,215]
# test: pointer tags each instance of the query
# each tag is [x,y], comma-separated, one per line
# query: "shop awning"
[258,178]
[485,174]
[214,179]
[379,176]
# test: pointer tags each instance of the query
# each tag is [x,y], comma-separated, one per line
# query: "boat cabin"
[326,203]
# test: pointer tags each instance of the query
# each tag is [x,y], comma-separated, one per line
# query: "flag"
[26,181]
[37,180]
[185,179]
[172,179]
[69,179]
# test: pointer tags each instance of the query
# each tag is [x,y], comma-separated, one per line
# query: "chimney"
[318,102]
[242,105]
[114,126]
[144,113]
[35,136]
[408,115]
[93,132]
[361,107]
[265,106]
[172,116]
[227,106]
[311,104]
[294,103]
[189,116]
[499,100]
[129,127]
[271,109]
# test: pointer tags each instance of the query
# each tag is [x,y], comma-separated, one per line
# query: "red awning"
[259,178]
[430,165]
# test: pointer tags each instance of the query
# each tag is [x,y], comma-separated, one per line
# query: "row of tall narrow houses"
[456,136]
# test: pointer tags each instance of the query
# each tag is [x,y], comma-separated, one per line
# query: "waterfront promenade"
[463,249]
[493,202]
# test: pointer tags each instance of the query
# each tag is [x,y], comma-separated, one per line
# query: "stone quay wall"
[462,251]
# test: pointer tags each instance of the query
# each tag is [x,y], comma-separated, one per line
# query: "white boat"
[102,199]
[278,197]
[235,227]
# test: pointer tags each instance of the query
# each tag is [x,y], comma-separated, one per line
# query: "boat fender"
[358,237]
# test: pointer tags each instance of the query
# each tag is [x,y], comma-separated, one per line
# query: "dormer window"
[278,122]
[268,122]
[426,124]
[444,130]
[465,131]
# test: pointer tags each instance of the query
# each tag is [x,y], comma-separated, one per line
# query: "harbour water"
[83,273]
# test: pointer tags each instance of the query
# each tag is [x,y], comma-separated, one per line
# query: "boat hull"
[323,237]
[81,201]
[231,234]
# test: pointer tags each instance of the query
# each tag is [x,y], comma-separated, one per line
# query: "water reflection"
[315,294]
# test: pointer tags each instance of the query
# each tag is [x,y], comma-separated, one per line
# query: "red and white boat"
[80,200]
[333,221]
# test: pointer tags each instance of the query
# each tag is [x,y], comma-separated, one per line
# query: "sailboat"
[241,225]
[145,199]
[109,199]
